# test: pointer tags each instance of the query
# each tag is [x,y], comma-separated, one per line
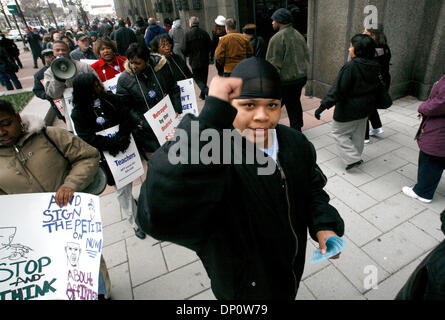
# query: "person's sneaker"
[355,164]
[366,141]
[373,132]
[410,193]
[139,233]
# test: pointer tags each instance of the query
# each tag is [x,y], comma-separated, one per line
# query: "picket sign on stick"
[48,252]
[162,120]
[188,97]
[125,166]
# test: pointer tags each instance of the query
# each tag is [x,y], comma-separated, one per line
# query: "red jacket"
[106,71]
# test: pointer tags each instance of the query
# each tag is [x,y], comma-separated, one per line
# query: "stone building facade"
[414,28]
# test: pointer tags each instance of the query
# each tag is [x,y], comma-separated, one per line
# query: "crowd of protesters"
[231,224]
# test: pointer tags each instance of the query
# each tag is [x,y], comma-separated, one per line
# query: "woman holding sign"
[146,81]
[35,159]
[163,45]
[96,110]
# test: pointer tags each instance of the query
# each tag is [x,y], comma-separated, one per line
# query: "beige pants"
[350,139]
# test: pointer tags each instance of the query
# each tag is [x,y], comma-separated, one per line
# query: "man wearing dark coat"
[34,42]
[123,37]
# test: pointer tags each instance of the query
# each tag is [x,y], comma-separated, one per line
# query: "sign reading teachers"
[125,166]
[111,84]
[162,120]
[188,97]
[49,252]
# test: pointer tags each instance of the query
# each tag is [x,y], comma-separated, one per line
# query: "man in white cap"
[218,31]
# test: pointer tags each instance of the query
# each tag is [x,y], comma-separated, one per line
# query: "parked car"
[15,35]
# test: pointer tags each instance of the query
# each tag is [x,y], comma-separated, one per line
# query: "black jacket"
[197,47]
[427,282]
[10,47]
[354,91]
[7,65]
[383,57]
[259,47]
[252,244]
[179,68]
[128,86]
[113,109]
[123,37]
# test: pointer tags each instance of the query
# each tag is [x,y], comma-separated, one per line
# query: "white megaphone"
[63,68]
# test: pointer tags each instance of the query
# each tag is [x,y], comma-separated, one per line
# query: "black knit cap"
[282,16]
[260,79]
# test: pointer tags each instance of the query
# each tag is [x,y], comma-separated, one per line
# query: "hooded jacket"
[34,165]
[354,91]
[233,48]
[249,230]
[153,87]
[431,139]
[177,33]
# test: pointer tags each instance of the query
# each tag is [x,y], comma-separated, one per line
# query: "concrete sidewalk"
[386,231]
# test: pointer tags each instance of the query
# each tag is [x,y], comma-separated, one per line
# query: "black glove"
[124,142]
[318,112]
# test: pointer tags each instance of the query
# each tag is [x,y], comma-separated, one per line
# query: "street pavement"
[387,234]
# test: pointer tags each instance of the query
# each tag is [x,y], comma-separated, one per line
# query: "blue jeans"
[429,173]
[6,79]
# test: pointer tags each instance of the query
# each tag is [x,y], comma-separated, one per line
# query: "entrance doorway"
[260,13]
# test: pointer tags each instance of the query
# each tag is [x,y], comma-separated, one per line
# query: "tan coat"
[232,49]
[39,167]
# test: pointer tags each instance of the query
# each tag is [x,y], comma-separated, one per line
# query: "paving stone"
[109,209]
[327,171]
[392,212]
[404,140]
[116,232]
[390,287]
[402,128]
[386,186]
[330,284]
[304,293]
[355,224]
[380,147]
[353,197]
[115,254]
[312,133]
[437,205]
[408,120]
[400,246]
[429,222]
[353,263]
[382,165]
[205,295]
[177,285]
[146,261]
[120,282]
[354,176]
[324,155]
[322,141]
[177,256]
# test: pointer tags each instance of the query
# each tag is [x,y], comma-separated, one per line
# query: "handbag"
[102,177]
[384,100]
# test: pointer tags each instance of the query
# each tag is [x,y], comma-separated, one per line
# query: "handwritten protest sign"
[126,166]
[188,97]
[162,120]
[48,252]
[111,85]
